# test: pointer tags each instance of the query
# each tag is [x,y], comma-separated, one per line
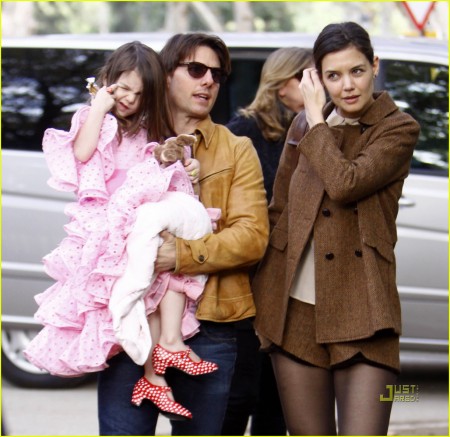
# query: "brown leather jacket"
[230,179]
[342,185]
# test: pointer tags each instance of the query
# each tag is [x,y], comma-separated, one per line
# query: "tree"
[18,19]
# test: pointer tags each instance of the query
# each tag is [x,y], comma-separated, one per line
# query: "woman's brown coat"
[342,185]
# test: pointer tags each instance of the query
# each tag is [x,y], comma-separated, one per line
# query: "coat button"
[358,253]
[329,256]
[201,258]
[326,212]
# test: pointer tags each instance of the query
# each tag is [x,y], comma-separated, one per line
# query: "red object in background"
[419,12]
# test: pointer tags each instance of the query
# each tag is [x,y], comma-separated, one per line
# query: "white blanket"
[183,216]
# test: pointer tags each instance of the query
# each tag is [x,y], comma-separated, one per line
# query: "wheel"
[20,372]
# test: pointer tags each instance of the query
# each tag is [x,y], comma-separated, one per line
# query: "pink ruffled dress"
[78,335]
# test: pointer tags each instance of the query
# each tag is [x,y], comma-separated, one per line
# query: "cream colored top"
[303,288]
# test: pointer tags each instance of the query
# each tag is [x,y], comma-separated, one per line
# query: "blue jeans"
[206,396]
[253,391]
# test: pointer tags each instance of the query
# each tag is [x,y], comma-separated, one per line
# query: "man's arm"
[243,239]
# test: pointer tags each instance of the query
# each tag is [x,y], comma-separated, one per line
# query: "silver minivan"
[43,84]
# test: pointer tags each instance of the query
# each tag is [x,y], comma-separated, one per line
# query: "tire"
[20,372]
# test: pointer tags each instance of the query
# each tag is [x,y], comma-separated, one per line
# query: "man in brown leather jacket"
[230,179]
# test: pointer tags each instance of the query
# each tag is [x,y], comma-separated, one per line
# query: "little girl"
[107,159]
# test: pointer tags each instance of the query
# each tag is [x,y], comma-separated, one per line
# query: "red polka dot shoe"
[157,394]
[162,358]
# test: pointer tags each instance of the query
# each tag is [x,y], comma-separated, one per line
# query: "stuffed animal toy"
[172,149]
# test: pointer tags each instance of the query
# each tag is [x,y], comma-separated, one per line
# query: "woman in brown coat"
[327,303]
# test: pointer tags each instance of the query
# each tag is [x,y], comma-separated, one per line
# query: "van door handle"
[406,202]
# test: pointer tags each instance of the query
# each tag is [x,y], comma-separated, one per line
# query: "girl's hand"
[104,100]
[192,167]
[313,95]
[87,137]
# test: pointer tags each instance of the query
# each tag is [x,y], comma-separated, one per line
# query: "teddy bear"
[172,149]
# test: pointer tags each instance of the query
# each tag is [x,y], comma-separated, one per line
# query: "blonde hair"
[272,116]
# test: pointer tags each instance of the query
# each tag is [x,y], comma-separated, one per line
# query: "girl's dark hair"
[182,45]
[339,36]
[153,112]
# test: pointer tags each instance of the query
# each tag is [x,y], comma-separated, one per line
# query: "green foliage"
[137,16]
[65,17]
[275,19]
[148,16]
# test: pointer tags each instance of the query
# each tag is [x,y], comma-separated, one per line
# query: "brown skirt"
[299,342]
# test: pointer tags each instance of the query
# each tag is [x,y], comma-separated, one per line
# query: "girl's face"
[349,79]
[128,93]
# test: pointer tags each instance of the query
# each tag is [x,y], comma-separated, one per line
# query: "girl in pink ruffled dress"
[106,286]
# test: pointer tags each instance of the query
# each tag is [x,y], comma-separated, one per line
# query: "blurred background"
[379,18]
[41,87]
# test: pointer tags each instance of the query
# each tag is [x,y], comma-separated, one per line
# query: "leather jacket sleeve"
[241,240]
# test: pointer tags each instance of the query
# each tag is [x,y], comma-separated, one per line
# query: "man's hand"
[192,167]
[166,257]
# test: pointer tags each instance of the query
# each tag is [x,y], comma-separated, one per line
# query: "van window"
[42,88]
[421,89]
[240,88]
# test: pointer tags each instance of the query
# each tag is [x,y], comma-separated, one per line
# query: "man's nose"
[207,79]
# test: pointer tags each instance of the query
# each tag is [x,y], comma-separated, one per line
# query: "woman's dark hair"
[153,112]
[182,45]
[339,36]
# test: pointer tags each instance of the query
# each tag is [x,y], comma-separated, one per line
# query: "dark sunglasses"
[197,70]
[299,76]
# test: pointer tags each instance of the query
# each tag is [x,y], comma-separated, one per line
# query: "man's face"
[191,97]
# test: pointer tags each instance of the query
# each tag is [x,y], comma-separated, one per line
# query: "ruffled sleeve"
[67,173]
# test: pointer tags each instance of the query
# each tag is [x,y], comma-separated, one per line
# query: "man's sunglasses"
[197,70]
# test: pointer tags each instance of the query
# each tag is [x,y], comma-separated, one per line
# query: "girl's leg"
[171,309]
[165,329]
[358,389]
[307,396]
[154,321]
[154,387]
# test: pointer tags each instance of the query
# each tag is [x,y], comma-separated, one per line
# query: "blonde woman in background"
[278,99]
[265,121]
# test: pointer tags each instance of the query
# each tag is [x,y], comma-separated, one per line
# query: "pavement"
[67,412]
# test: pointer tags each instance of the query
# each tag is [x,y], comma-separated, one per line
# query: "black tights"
[311,395]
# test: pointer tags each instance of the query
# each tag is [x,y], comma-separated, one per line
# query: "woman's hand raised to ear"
[313,95]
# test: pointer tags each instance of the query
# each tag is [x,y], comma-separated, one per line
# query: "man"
[230,179]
